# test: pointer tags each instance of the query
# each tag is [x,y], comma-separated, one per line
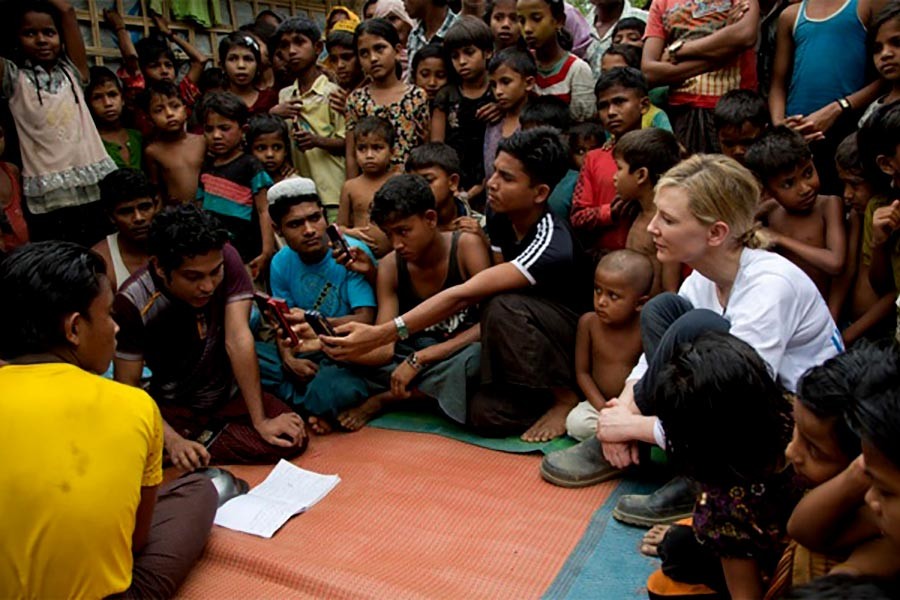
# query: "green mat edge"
[435,424]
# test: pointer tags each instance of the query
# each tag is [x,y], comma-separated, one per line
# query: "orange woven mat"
[415,516]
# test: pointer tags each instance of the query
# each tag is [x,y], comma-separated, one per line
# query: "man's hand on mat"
[287,424]
[186,454]
[400,379]
[353,339]
[620,455]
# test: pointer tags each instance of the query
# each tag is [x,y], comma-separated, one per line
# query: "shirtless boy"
[642,157]
[175,158]
[374,147]
[439,164]
[131,203]
[608,340]
[808,229]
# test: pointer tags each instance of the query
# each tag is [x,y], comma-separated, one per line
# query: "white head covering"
[385,8]
[291,188]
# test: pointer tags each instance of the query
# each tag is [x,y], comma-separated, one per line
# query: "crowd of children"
[675,227]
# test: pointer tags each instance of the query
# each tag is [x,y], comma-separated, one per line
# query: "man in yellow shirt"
[82,454]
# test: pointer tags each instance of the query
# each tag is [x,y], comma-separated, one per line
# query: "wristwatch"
[413,361]
[402,331]
[673,49]
[844,104]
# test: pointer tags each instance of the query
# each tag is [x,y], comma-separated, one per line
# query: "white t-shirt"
[774,307]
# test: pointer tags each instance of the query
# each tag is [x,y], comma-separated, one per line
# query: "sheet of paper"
[287,491]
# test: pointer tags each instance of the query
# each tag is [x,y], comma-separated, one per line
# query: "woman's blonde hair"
[719,189]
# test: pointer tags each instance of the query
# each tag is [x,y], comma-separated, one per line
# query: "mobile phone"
[278,308]
[319,323]
[337,240]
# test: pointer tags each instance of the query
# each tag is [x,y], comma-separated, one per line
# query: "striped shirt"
[228,191]
[548,256]
[571,81]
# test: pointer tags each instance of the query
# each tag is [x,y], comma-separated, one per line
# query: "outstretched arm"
[197,58]
[123,39]
[71,37]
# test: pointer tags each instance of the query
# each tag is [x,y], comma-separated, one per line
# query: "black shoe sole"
[568,483]
[640,521]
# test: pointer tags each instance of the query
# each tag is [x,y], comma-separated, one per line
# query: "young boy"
[856,305]
[833,517]
[439,164]
[375,139]
[550,111]
[608,340]
[345,64]
[175,157]
[740,118]
[598,217]
[269,141]
[526,371]
[131,203]
[641,159]
[875,414]
[233,183]
[90,517]
[512,72]
[440,363]
[307,275]
[435,20]
[317,128]
[629,31]
[104,94]
[461,111]
[805,227]
[153,61]
[625,55]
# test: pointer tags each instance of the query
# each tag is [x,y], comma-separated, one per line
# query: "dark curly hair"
[179,232]
[726,419]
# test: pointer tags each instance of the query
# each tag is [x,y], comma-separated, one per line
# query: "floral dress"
[409,116]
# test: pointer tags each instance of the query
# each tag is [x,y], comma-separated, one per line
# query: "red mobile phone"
[337,240]
[279,308]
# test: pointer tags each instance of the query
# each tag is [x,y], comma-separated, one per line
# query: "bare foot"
[319,425]
[653,538]
[553,423]
[355,418]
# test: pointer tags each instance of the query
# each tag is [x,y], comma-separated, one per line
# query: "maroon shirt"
[183,346]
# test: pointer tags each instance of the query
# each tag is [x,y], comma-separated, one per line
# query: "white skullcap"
[291,187]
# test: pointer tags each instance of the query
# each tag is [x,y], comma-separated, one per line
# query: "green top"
[135,145]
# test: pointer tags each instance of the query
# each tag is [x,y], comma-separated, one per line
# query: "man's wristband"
[413,361]
[845,105]
[402,331]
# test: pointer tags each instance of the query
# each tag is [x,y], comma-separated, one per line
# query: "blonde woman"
[705,219]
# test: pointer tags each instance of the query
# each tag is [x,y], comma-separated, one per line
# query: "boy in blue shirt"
[306,275]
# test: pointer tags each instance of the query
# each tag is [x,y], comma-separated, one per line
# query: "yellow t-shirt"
[76,449]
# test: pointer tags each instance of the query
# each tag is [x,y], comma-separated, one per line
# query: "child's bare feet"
[355,419]
[319,425]
[653,538]
[553,423]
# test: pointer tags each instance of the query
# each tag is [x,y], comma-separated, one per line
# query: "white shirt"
[774,307]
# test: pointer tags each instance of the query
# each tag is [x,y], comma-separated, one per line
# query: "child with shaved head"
[608,340]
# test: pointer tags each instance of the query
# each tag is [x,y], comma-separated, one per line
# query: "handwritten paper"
[287,491]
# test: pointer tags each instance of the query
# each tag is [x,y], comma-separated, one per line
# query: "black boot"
[668,504]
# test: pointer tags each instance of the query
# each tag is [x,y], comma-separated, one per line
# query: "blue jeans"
[667,321]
